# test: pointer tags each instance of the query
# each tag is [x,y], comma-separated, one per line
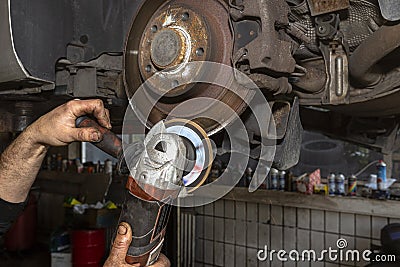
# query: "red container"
[22,235]
[88,247]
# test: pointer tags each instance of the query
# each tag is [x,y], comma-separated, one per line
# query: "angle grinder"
[175,155]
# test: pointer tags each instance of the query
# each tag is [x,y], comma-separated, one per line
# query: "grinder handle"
[111,143]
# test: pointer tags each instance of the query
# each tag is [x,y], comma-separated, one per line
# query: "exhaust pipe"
[362,63]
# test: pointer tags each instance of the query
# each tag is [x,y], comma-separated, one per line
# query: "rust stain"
[319,7]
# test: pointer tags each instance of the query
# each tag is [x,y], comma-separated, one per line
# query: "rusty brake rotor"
[167,35]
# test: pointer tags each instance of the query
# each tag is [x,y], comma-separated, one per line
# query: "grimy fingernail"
[95,136]
[122,230]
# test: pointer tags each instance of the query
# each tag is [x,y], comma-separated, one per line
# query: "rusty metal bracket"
[267,47]
[101,77]
[335,52]
[319,7]
[337,70]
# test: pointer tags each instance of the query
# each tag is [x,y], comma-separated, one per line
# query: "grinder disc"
[201,157]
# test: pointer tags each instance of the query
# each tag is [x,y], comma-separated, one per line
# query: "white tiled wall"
[230,233]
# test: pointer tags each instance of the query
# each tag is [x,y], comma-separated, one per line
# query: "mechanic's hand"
[120,248]
[57,128]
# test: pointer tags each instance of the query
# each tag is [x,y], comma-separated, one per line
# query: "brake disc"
[164,37]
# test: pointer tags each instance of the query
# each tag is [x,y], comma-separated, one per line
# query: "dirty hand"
[120,248]
[57,128]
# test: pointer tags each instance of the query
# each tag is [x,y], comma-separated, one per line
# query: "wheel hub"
[173,37]
[168,48]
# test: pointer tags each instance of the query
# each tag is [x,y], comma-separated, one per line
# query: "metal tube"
[361,65]
[339,65]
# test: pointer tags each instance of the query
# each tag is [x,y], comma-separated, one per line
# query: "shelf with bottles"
[333,185]
[58,163]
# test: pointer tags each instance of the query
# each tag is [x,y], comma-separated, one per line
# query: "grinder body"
[147,204]
[148,218]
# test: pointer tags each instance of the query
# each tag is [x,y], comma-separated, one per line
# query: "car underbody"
[328,66]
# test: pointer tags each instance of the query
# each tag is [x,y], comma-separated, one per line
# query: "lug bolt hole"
[148,68]
[185,16]
[154,29]
[200,51]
